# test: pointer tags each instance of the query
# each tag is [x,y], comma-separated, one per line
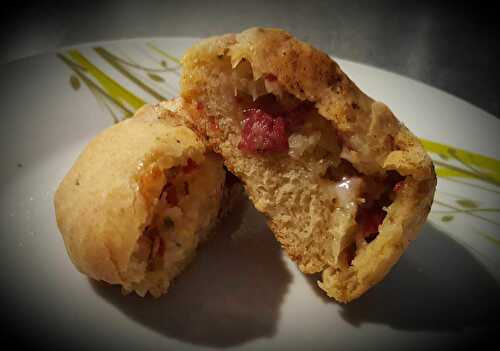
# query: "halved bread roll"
[138,201]
[344,184]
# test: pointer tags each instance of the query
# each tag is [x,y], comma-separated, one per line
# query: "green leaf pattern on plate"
[446,218]
[75,82]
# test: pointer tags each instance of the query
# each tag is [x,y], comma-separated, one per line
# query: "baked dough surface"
[107,200]
[292,190]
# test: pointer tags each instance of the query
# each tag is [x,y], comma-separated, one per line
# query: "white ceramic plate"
[241,292]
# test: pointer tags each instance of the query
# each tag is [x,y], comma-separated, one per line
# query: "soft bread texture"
[295,190]
[108,199]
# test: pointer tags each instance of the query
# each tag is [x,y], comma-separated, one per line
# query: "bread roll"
[344,184]
[138,201]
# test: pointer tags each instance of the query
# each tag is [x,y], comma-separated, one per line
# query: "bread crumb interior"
[184,204]
[315,173]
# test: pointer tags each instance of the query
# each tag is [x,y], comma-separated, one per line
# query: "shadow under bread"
[230,294]
[437,285]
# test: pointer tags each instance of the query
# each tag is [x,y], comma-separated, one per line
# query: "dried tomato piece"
[369,219]
[262,132]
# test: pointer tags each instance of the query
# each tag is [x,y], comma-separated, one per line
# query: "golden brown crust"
[373,141]
[401,226]
[100,210]
[309,74]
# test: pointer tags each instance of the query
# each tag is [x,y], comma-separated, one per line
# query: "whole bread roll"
[344,184]
[138,201]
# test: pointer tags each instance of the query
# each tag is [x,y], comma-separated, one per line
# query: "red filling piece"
[267,123]
[369,219]
[263,132]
